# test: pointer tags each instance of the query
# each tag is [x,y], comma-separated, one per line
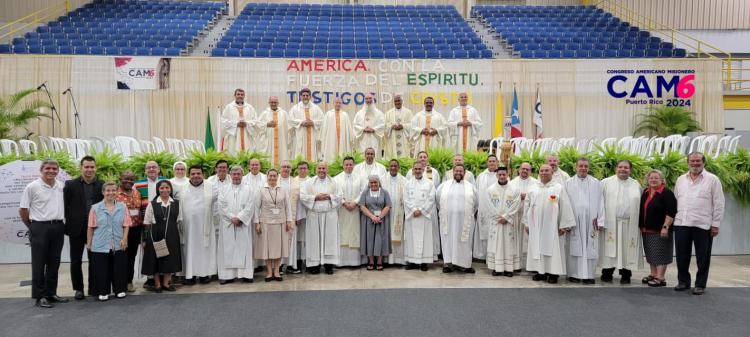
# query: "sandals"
[370,267]
[655,282]
[647,279]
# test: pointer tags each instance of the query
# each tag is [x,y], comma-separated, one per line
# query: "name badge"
[275,211]
[135,212]
[377,213]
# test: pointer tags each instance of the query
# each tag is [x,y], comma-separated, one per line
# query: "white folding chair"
[176,146]
[733,144]
[159,144]
[147,146]
[696,143]
[27,146]
[128,146]
[9,147]
[721,146]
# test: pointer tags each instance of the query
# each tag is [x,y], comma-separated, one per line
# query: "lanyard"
[273,197]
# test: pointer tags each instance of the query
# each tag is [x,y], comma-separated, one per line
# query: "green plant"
[441,159]
[207,160]
[109,165]
[535,158]
[7,158]
[137,163]
[243,159]
[568,156]
[604,162]
[738,164]
[663,121]
[672,165]
[15,113]
[63,158]
[475,161]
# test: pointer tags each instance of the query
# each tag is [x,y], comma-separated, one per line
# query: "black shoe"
[497,273]
[189,281]
[282,268]
[681,287]
[258,269]
[247,280]
[606,278]
[698,291]
[204,280]
[607,274]
[574,280]
[508,274]
[447,270]
[56,299]
[269,279]
[552,279]
[410,266]
[43,303]
[170,288]
[279,279]
[625,280]
[424,267]
[294,271]
[469,270]
[539,277]
[223,282]
[315,270]
[589,281]
[517,271]
[329,269]
[79,295]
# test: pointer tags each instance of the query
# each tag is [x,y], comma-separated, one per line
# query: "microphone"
[43,85]
[66,91]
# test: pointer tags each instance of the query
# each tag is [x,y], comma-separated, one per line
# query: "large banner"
[142,73]
[14,177]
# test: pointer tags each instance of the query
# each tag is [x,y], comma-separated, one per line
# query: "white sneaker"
[121,295]
[103,297]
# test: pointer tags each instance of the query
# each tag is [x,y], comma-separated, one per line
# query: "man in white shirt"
[238,119]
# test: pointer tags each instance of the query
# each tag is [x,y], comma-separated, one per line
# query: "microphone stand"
[76,115]
[52,108]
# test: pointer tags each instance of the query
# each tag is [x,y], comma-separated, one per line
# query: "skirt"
[272,243]
[658,251]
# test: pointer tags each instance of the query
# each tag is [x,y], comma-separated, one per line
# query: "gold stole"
[428,171]
[427,122]
[308,145]
[338,131]
[242,128]
[276,138]
[464,117]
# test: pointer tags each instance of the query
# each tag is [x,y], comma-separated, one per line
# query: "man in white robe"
[547,219]
[586,199]
[369,126]
[274,132]
[622,237]
[219,181]
[503,201]
[236,208]
[351,184]
[523,183]
[238,121]
[337,135]
[395,183]
[465,124]
[558,175]
[299,231]
[397,140]
[196,203]
[255,178]
[306,119]
[419,211]
[369,167]
[429,129]
[322,198]
[459,160]
[431,174]
[457,206]
[485,213]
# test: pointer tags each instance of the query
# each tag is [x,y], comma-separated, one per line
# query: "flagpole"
[536,127]
[500,125]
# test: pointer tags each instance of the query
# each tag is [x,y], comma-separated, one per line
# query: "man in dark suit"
[79,194]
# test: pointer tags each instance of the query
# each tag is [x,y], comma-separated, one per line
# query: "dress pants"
[685,238]
[47,239]
[109,272]
[77,246]
[134,241]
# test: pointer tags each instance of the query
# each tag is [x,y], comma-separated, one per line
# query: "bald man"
[369,126]
[337,135]
[273,138]
[464,124]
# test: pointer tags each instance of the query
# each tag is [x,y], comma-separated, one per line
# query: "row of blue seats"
[152,4]
[326,6]
[353,15]
[127,37]
[366,40]
[551,15]
[337,53]
[523,8]
[609,53]
[268,45]
[124,31]
[83,50]
[600,46]
[635,33]
[116,23]
[591,40]
[149,15]
[104,43]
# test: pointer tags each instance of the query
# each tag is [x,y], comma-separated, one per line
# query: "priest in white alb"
[486,179]
[299,230]
[501,203]
[369,126]
[523,183]
[351,185]
[586,199]
[337,135]
[430,173]
[255,178]
[558,175]
[197,202]
[236,208]
[306,119]
[420,213]
[369,167]
[395,183]
[322,197]
[465,124]
[397,139]
[458,159]
[547,219]
[621,247]
[457,206]
[274,132]
[429,129]
[238,121]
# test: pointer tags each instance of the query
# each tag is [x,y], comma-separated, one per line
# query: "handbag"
[160,247]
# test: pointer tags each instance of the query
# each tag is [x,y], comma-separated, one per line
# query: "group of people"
[196,228]
[308,131]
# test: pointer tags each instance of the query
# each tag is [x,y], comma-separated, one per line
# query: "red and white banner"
[142,73]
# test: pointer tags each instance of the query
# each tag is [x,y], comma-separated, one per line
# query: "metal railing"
[8,30]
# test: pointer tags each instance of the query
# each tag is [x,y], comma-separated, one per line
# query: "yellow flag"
[497,129]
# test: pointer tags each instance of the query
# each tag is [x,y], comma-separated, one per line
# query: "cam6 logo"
[672,90]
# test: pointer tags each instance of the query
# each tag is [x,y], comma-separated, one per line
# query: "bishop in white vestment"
[274,132]
[369,126]
[306,119]
[322,197]
[236,208]
[586,199]
[238,121]
[465,125]
[457,206]
[484,181]
[420,213]
[197,202]
[351,185]
[523,183]
[337,135]
[397,140]
[503,202]
[428,128]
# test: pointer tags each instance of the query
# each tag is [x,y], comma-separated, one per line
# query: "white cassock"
[560,176]
[464,138]
[457,205]
[274,141]
[306,138]
[432,175]
[548,210]
[238,139]
[468,176]
[178,185]
[218,185]
[369,116]
[501,202]
[419,194]
[587,201]
[321,232]
[196,203]
[395,186]
[351,187]
[336,136]
[423,120]
[397,143]
[235,254]
[522,186]
[255,181]
[291,185]
[485,180]
[365,170]
[298,240]
[622,245]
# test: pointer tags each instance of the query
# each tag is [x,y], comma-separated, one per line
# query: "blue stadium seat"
[390,54]
[610,53]
[80,50]
[305,53]
[320,53]
[624,53]
[35,49]
[218,52]
[365,54]
[262,53]
[569,54]
[679,52]
[665,52]
[277,53]
[377,54]
[66,50]
[96,50]
[652,52]
[346,53]
[596,53]
[173,52]
[50,49]
[553,54]
[637,53]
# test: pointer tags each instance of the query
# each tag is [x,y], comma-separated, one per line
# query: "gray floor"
[402,312]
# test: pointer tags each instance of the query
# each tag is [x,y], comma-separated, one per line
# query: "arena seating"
[348,31]
[108,27]
[571,32]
